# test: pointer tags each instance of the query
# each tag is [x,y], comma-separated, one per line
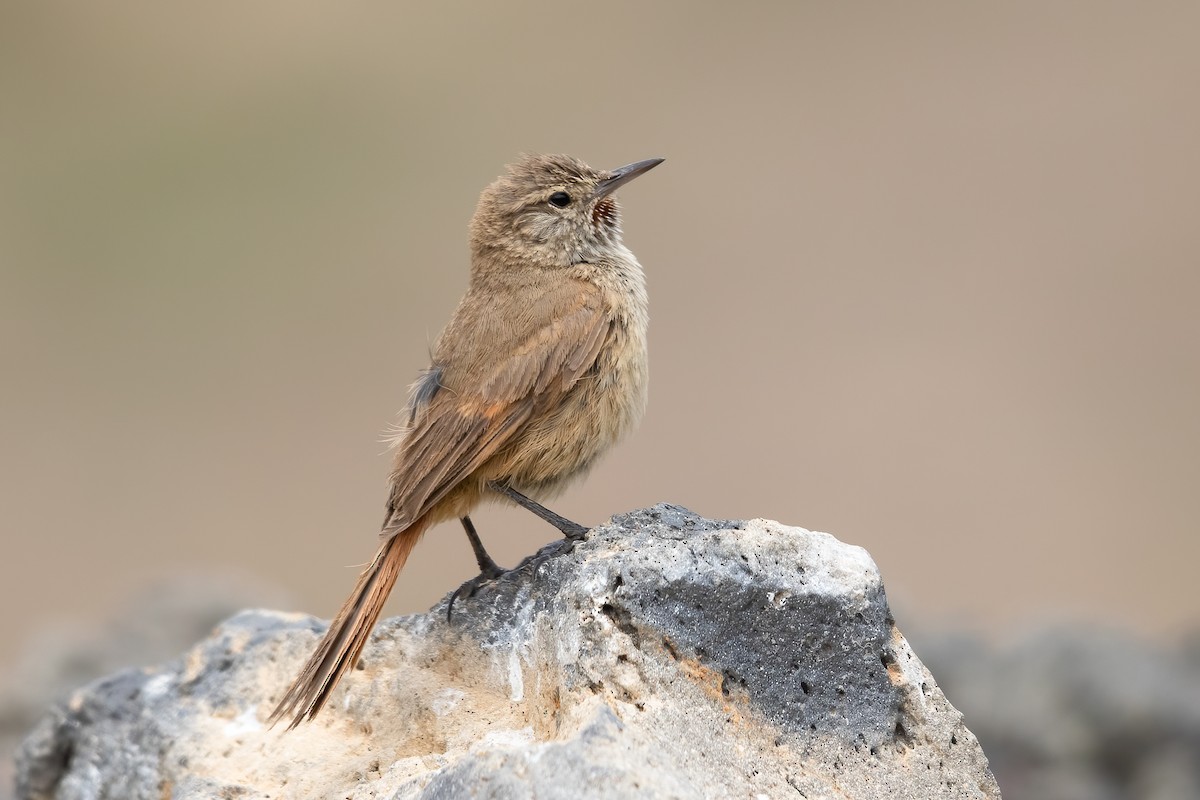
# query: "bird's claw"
[469,588]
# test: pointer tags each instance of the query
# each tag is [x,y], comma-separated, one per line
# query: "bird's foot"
[529,564]
[469,588]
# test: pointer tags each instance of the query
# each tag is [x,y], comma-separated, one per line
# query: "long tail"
[348,632]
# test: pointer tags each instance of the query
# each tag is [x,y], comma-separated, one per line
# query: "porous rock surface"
[668,656]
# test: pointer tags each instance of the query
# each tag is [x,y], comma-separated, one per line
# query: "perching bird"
[541,369]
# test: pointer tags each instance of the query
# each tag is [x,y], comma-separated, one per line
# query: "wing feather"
[452,433]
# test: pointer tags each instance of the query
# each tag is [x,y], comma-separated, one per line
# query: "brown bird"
[541,369]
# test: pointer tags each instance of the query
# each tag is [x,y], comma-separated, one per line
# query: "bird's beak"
[623,175]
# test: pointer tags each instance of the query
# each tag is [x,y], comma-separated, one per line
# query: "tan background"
[922,275]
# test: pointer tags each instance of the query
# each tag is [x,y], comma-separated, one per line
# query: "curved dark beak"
[623,175]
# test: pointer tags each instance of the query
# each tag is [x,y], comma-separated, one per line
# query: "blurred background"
[924,276]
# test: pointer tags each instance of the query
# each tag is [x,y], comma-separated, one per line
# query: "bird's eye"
[560,199]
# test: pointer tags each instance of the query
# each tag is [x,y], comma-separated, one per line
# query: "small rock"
[1078,712]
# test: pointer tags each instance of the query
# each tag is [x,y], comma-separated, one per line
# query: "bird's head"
[552,211]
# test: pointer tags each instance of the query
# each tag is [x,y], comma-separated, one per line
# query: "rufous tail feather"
[348,632]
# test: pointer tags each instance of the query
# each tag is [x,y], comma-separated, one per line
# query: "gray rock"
[668,656]
[158,622]
[1079,713]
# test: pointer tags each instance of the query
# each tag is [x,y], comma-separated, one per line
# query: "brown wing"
[502,360]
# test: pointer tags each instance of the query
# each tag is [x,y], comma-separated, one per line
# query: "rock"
[1076,713]
[157,623]
[668,656]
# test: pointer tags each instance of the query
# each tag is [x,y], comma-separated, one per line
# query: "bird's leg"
[487,567]
[489,570]
[572,530]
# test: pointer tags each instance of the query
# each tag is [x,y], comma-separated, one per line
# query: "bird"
[541,369]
